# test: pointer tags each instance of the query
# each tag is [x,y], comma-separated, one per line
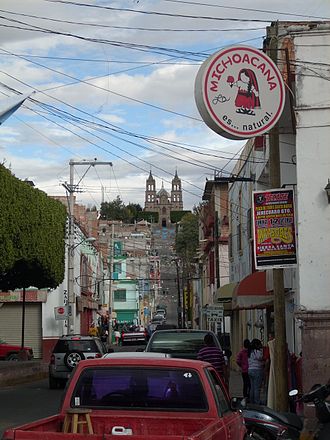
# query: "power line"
[263,11]
[135,28]
[168,14]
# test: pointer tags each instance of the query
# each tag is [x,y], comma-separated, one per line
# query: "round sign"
[60,310]
[239,92]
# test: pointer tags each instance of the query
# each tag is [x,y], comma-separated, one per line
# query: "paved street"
[27,402]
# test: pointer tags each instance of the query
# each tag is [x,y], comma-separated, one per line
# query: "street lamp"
[71,294]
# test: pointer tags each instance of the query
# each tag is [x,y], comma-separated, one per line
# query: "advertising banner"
[274,228]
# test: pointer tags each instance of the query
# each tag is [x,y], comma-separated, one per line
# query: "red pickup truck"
[144,396]
[10,352]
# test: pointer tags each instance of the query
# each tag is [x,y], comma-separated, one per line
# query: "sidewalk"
[236,386]
[13,373]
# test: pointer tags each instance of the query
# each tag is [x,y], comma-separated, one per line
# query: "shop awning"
[251,292]
[224,295]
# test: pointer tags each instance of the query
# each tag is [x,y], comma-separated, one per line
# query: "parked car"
[180,343]
[10,352]
[68,352]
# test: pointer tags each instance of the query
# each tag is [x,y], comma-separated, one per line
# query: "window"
[219,394]
[239,237]
[85,346]
[120,295]
[117,267]
[179,344]
[140,387]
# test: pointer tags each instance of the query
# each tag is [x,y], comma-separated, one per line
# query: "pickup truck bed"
[142,427]
[147,397]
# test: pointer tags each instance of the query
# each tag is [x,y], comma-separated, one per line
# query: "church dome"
[163,192]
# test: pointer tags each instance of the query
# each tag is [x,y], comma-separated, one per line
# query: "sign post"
[61,313]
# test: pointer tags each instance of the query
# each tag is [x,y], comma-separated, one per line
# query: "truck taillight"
[52,359]
[98,355]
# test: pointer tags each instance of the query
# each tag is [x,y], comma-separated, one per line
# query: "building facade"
[303,132]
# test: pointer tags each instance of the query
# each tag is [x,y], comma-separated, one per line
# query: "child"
[242,361]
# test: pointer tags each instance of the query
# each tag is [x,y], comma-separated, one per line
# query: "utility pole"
[280,357]
[179,294]
[111,260]
[71,294]
[71,189]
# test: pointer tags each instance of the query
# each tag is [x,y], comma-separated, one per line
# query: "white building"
[88,286]
[304,132]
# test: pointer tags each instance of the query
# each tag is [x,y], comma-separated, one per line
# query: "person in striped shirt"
[212,354]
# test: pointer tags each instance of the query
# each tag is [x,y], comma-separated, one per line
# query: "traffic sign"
[61,313]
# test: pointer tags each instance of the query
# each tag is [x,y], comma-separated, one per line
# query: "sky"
[114,81]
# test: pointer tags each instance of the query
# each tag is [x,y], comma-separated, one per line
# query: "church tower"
[176,194]
[150,193]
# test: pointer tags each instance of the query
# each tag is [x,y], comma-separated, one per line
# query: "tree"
[187,238]
[32,230]
[116,210]
[133,210]
[113,210]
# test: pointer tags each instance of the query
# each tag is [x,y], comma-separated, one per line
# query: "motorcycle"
[264,423]
[317,395]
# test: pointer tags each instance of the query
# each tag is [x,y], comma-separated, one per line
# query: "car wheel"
[53,383]
[12,357]
[72,358]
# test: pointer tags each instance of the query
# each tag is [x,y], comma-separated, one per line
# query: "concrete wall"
[313,172]
[313,169]
[12,373]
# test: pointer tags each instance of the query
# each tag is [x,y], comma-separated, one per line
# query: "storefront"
[11,311]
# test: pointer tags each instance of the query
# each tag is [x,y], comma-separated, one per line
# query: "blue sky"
[115,82]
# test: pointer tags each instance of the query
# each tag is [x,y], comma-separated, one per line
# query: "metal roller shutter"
[11,325]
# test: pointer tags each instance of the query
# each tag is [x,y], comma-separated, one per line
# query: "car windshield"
[177,342]
[133,387]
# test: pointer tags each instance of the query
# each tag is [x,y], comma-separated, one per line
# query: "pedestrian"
[212,354]
[255,370]
[117,337]
[242,361]
[93,330]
